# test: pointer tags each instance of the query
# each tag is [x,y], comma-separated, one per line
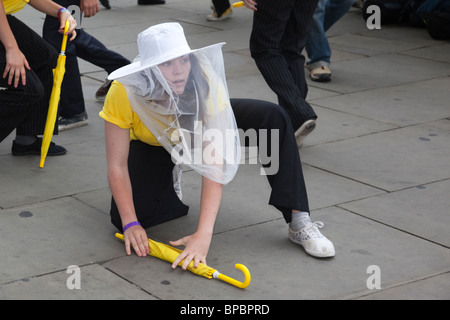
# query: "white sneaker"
[306,128]
[314,242]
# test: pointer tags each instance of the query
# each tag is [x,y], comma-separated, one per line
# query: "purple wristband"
[134,223]
[61,10]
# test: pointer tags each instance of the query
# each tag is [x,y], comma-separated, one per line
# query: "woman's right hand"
[137,237]
[16,63]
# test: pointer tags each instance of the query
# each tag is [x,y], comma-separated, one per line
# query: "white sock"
[299,220]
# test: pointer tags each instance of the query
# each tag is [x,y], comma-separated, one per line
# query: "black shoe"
[146,2]
[72,122]
[101,93]
[35,149]
[105,3]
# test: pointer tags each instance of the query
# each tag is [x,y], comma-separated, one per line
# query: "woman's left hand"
[196,249]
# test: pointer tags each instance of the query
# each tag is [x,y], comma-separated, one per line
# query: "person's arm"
[51,8]
[16,63]
[197,244]
[117,141]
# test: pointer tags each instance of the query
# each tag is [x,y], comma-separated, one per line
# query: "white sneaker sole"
[305,129]
[74,125]
[317,254]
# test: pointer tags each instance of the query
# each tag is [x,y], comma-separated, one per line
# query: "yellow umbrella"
[58,76]
[238,4]
[168,253]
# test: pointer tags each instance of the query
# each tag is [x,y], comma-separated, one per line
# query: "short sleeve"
[117,109]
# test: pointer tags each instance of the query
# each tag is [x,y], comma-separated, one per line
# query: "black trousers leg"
[16,104]
[32,98]
[154,198]
[85,47]
[278,37]
[221,6]
[287,183]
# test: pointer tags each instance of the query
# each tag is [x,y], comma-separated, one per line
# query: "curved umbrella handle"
[238,4]
[234,282]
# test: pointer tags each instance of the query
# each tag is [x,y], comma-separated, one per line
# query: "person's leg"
[92,50]
[317,45]
[150,2]
[288,187]
[42,59]
[287,182]
[267,40]
[328,12]
[154,197]
[221,6]
[335,10]
[17,103]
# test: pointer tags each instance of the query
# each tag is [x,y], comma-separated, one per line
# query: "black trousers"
[85,47]
[25,108]
[221,6]
[278,37]
[151,168]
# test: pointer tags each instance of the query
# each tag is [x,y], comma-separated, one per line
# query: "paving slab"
[390,160]
[421,210]
[282,270]
[431,288]
[50,182]
[335,124]
[51,236]
[377,72]
[399,105]
[376,169]
[94,283]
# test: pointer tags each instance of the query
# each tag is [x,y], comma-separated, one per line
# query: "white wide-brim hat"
[157,44]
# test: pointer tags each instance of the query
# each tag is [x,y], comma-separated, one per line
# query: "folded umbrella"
[168,253]
[58,76]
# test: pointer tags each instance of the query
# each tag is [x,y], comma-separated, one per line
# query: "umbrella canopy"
[58,76]
[168,253]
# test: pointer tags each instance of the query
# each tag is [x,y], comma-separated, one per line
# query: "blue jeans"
[327,13]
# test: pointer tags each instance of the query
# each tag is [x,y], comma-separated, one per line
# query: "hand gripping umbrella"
[58,76]
[168,253]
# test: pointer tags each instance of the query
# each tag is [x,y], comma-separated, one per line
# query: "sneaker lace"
[311,231]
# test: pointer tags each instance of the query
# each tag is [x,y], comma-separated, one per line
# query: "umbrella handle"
[64,42]
[227,279]
[218,275]
[238,4]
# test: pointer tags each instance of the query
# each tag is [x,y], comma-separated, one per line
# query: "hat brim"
[135,67]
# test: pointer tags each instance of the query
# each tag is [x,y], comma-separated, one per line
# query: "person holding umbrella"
[26,63]
[171,106]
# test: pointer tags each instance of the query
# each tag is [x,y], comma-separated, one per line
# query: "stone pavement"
[377,170]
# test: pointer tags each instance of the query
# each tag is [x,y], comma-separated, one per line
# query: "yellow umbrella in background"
[168,253]
[58,76]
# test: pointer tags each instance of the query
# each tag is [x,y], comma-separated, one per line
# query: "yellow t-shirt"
[117,110]
[12,6]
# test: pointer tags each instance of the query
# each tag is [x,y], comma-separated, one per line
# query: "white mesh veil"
[198,127]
